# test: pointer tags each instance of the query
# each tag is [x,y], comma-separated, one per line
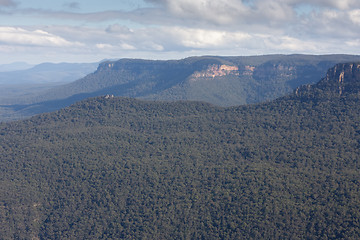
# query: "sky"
[36,31]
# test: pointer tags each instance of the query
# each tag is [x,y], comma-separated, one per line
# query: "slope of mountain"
[47,73]
[26,83]
[223,81]
[20,84]
[114,168]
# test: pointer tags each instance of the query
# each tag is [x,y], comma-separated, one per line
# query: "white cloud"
[190,26]
[355,16]
[272,12]
[127,46]
[330,14]
[104,46]
[330,24]
[110,47]
[20,36]
[219,12]
[289,44]
[201,38]
[353,43]
[152,46]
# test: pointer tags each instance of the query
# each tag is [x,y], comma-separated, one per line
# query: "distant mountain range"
[21,80]
[121,168]
[16,66]
[47,73]
[222,81]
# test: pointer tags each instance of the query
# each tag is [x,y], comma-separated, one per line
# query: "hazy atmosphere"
[86,31]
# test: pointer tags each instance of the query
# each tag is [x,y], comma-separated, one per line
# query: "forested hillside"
[222,81]
[112,168]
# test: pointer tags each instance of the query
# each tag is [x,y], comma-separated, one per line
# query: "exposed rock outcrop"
[342,79]
[248,70]
[215,71]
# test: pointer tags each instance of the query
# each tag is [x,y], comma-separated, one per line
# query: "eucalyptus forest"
[121,168]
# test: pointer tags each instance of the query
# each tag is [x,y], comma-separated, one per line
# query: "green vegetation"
[111,168]
[258,79]
[273,76]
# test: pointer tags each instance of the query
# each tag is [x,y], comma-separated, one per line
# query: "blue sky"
[38,31]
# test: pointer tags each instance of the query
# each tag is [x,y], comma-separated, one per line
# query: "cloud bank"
[18,36]
[172,29]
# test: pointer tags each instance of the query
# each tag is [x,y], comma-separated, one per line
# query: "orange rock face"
[216,71]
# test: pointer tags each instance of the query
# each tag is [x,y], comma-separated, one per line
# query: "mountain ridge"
[113,167]
[341,72]
[189,65]
[222,81]
[45,73]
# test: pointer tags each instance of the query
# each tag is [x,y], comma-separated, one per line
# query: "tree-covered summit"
[219,80]
[120,168]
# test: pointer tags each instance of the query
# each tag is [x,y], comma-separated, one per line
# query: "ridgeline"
[113,168]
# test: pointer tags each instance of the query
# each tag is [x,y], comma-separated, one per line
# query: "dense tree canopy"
[123,168]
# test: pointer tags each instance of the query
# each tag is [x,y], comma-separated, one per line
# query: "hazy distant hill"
[119,168]
[223,81]
[47,73]
[25,83]
[15,66]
